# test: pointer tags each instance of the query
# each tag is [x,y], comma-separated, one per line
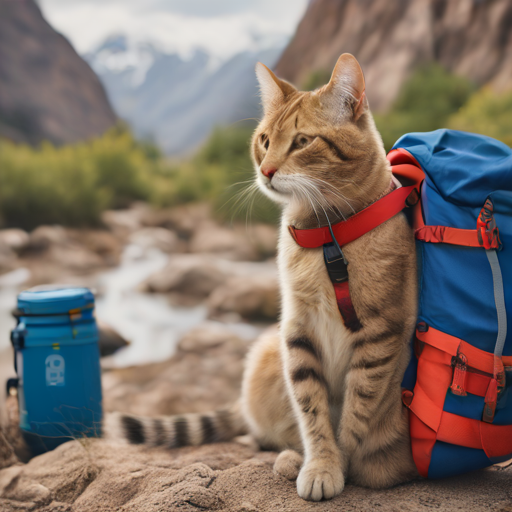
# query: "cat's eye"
[301,141]
[264,140]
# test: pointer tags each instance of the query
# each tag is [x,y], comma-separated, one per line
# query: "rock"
[124,222]
[7,456]
[191,274]
[239,243]
[55,252]
[158,238]
[183,219]
[103,243]
[400,36]
[210,335]
[205,373]
[15,239]
[7,258]
[74,258]
[208,363]
[49,93]
[197,275]
[251,297]
[263,237]
[43,237]
[229,243]
[109,339]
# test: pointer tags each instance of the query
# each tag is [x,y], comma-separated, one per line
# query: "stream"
[148,321]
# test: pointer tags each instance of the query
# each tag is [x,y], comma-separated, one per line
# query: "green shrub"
[73,184]
[487,113]
[426,101]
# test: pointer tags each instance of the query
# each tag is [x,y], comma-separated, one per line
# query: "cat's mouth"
[279,186]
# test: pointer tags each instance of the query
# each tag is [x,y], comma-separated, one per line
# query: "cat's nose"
[269,172]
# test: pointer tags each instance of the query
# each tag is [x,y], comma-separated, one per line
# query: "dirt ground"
[101,476]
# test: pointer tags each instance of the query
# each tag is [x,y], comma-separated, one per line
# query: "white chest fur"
[309,304]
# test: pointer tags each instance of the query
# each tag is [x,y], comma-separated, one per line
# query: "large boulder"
[44,237]
[158,238]
[100,242]
[15,239]
[236,243]
[198,275]
[109,339]
[251,297]
[191,274]
[210,237]
[183,219]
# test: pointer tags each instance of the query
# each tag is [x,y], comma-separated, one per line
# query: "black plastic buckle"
[335,260]
[335,263]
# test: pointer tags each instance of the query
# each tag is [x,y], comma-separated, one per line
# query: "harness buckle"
[335,260]
[335,263]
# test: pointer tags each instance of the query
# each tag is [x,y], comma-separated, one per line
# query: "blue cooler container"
[58,365]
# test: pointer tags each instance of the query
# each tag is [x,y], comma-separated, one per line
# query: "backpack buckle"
[487,230]
[496,386]
[458,385]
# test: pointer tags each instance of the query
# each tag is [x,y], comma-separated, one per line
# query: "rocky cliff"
[47,92]
[472,38]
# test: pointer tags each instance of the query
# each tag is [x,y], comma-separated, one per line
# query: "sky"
[222,27]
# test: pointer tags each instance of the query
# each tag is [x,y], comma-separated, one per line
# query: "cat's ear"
[273,91]
[347,85]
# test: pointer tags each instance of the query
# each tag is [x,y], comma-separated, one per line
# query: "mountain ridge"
[48,91]
[177,101]
[472,38]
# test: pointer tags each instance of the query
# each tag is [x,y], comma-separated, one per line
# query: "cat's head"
[319,150]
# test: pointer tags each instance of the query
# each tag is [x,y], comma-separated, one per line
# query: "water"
[147,321]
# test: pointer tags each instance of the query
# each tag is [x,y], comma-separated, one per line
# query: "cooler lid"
[55,299]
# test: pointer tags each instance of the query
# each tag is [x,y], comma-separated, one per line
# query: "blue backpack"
[458,386]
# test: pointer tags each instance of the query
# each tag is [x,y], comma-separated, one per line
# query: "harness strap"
[333,237]
[360,223]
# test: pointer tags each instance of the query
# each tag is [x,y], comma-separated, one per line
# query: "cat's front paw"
[320,478]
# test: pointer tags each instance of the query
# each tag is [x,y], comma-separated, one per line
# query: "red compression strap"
[447,235]
[359,224]
[477,358]
[495,440]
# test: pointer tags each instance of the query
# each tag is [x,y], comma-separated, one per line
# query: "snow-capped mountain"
[176,99]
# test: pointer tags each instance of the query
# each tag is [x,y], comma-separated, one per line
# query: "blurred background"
[124,163]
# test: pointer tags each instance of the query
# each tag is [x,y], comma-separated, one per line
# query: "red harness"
[358,225]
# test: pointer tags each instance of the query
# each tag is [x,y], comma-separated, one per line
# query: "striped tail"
[176,431]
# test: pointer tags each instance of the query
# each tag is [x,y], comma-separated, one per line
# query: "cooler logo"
[55,368]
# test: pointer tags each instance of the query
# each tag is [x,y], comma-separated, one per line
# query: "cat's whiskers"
[306,195]
[336,192]
[242,198]
[320,198]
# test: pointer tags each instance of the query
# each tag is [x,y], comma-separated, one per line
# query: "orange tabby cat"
[326,395]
